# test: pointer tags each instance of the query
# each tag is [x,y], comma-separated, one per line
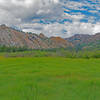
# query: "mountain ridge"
[13,38]
[85,41]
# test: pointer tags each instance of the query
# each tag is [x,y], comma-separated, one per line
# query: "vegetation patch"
[49,78]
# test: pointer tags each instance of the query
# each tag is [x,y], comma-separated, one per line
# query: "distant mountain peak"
[11,37]
[85,41]
[3,26]
[41,35]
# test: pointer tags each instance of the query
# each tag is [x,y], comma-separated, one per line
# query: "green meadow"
[49,78]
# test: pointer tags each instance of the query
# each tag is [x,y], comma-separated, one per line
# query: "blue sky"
[52,17]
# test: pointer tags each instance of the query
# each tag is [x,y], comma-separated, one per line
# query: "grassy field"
[49,78]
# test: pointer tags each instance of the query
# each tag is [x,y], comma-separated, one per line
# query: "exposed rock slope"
[11,37]
[90,42]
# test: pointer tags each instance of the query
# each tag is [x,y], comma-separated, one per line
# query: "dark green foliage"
[13,49]
[61,52]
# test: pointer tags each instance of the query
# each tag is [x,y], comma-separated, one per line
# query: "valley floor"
[48,78]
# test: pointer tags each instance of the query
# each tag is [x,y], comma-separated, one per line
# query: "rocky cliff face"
[13,38]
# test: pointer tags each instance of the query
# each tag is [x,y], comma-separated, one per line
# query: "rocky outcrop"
[13,38]
[60,42]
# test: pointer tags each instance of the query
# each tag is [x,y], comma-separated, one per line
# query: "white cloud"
[97,28]
[74,5]
[25,9]
[26,15]
[56,29]
[93,11]
[74,17]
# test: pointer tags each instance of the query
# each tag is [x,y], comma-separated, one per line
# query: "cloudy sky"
[52,17]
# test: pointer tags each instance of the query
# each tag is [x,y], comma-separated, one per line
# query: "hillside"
[12,38]
[85,42]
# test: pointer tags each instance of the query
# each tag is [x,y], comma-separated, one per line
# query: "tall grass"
[49,78]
